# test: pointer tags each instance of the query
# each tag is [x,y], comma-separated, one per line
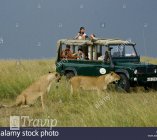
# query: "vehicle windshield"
[123,51]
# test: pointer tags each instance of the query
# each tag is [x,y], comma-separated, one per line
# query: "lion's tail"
[19,100]
[7,106]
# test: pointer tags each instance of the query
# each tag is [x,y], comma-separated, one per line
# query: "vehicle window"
[92,53]
[74,52]
[123,51]
[103,53]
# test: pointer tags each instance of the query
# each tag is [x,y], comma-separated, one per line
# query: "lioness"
[93,83]
[36,90]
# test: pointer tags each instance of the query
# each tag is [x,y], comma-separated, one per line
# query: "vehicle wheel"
[154,86]
[69,74]
[123,83]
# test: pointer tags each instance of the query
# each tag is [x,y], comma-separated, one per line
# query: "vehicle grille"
[145,70]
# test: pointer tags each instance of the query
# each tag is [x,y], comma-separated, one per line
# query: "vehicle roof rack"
[94,41]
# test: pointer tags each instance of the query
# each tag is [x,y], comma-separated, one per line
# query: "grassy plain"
[87,109]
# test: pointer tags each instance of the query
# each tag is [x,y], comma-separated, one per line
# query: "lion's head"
[112,77]
[54,76]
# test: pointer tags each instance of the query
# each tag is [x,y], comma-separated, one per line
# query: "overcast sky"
[30,28]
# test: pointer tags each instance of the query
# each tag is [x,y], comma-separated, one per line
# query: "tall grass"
[17,75]
[119,109]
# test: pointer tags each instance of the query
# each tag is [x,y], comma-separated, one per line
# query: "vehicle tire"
[69,74]
[123,83]
[154,86]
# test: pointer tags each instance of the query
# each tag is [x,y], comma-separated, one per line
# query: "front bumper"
[144,78]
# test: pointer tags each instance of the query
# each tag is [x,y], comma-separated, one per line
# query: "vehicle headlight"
[155,71]
[135,71]
[135,79]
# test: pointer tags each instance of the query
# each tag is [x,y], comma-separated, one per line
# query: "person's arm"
[75,55]
[77,36]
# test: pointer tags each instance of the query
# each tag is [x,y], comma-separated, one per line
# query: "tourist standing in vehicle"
[92,37]
[81,34]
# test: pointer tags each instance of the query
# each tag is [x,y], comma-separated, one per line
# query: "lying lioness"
[36,90]
[93,83]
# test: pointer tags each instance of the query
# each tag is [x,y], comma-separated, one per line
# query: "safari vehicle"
[104,56]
